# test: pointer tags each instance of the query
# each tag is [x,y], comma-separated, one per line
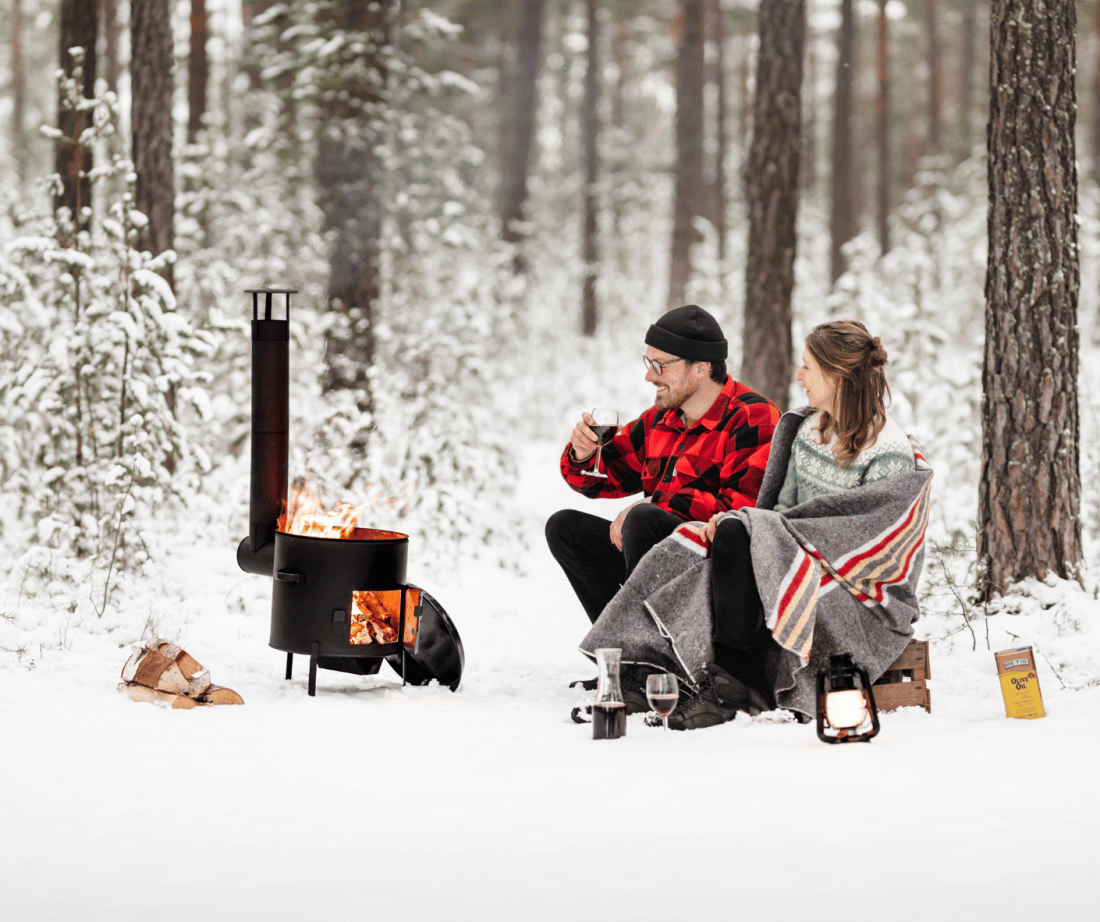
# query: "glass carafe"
[609,710]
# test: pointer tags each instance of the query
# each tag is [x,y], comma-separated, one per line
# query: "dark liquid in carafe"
[608,721]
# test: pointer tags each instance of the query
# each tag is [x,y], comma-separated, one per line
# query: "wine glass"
[605,423]
[663,691]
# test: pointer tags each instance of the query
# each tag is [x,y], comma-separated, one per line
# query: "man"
[700,449]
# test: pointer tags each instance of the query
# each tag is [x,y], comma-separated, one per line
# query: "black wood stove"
[343,602]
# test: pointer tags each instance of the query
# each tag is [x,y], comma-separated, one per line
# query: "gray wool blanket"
[835,574]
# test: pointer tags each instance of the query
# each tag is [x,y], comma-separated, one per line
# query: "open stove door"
[437,653]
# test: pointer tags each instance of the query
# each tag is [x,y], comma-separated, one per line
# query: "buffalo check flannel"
[716,465]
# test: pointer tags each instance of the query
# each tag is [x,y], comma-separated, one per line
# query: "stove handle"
[290,576]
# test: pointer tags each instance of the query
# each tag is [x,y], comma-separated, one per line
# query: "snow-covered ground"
[371,799]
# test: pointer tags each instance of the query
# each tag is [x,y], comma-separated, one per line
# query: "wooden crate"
[905,683]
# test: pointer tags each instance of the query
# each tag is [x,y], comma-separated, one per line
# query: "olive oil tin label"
[1020,683]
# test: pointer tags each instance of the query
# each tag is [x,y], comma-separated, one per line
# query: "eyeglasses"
[658,368]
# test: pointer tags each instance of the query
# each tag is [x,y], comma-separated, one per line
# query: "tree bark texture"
[935,81]
[842,218]
[966,78]
[1029,492]
[882,127]
[591,119]
[198,71]
[151,121]
[721,129]
[773,199]
[73,160]
[18,91]
[689,148]
[350,181]
[519,132]
[1095,125]
[108,10]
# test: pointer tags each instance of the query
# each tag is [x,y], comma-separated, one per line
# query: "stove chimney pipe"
[270,426]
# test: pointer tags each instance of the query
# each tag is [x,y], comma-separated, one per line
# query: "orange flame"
[307,516]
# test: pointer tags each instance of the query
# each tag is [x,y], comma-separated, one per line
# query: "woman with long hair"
[827,561]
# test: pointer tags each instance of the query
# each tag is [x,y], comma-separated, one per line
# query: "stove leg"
[313,669]
[289,666]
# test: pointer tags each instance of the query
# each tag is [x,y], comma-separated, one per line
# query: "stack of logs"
[164,674]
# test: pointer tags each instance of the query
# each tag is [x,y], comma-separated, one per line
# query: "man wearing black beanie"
[700,449]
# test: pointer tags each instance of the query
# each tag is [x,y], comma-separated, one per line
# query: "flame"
[376,616]
[306,515]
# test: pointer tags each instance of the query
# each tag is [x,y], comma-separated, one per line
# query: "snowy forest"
[482,207]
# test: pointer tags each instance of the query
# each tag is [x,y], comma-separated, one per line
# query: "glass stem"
[665,719]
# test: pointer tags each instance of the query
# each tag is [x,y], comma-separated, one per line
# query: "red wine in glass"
[662,690]
[608,721]
[604,425]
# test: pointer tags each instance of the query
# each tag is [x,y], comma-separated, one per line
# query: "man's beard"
[673,399]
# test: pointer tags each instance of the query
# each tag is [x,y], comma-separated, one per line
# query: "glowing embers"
[376,616]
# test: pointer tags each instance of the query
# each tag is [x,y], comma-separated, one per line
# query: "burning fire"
[306,515]
[376,614]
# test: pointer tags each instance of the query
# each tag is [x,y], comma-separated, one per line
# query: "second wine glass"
[605,423]
[662,690]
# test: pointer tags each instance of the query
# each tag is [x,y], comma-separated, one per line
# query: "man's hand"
[583,442]
[617,525]
[711,527]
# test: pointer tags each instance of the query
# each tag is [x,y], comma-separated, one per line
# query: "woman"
[746,605]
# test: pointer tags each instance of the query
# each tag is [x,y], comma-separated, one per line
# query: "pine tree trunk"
[882,127]
[773,199]
[591,120]
[151,121]
[349,177]
[520,126]
[1095,121]
[935,82]
[721,131]
[18,92]
[842,220]
[807,167]
[1029,491]
[966,81]
[108,11]
[689,149]
[73,160]
[198,71]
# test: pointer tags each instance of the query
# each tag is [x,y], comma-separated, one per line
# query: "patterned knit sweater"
[813,470]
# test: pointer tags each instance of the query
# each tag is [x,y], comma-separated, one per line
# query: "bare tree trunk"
[882,127]
[807,167]
[591,119]
[1029,491]
[520,127]
[842,221]
[18,92]
[1095,125]
[773,199]
[935,82]
[72,159]
[198,71]
[689,149]
[966,78]
[111,32]
[721,131]
[151,118]
[349,178]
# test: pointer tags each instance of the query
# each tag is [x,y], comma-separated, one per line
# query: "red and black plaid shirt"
[715,466]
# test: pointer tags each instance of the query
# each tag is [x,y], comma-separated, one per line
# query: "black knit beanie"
[690,333]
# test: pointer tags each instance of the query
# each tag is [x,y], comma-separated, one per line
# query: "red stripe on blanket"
[887,539]
[792,590]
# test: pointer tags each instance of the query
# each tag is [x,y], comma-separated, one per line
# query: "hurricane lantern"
[846,711]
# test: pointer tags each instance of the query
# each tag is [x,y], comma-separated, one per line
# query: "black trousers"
[741,641]
[581,544]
